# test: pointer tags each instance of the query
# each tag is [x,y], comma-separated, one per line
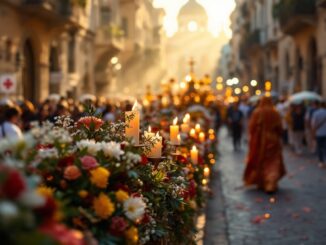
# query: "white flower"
[134,208]
[112,149]
[91,146]
[48,153]
[8,211]
[133,158]
[31,198]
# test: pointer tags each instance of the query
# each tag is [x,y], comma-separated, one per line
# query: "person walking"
[298,124]
[319,130]
[235,118]
[265,166]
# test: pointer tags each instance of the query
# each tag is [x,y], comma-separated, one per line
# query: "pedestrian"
[235,119]
[309,135]
[319,130]
[298,124]
[282,110]
[245,109]
[10,127]
[265,165]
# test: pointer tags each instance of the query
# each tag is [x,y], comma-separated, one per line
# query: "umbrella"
[54,97]
[304,96]
[255,98]
[87,97]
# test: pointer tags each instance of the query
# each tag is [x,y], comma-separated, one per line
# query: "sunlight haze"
[218,12]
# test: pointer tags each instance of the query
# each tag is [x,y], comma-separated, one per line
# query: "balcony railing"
[62,8]
[251,42]
[294,15]
[110,35]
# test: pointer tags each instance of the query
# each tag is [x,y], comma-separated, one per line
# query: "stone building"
[48,45]
[281,41]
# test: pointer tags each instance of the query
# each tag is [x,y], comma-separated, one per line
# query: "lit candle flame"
[157,134]
[179,138]
[194,148]
[149,129]
[175,121]
[135,106]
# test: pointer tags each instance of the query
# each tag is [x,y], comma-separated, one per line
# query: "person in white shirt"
[9,128]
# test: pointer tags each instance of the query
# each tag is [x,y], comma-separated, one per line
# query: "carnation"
[14,185]
[88,162]
[103,206]
[48,153]
[91,146]
[90,122]
[134,208]
[112,149]
[100,177]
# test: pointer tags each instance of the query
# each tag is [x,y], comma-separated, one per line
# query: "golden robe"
[265,165]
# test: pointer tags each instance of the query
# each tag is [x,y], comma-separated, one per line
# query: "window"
[71,54]
[105,16]
[125,26]
[8,50]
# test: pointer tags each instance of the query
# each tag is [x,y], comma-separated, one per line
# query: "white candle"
[194,155]
[149,134]
[202,137]
[132,128]
[156,150]
[174,132]
[185,125]
[193,133]
[197,127]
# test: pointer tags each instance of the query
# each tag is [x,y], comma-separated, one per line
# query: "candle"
[202,137]
[193,133]
[179,139]
[194,155]
[148,134]
[185,125]
[156,150]
[132,128]
[174,132]
[206,172]
[197,127]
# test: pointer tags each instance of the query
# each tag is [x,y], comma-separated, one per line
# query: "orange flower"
[90,121]
[72,173]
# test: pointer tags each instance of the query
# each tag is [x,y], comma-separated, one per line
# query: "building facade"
[281,41]
[48,45]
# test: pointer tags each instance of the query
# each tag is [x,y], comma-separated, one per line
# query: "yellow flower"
[103,206]
[121,195]
[45,191]
[83,193]
[132,235]
[100,177]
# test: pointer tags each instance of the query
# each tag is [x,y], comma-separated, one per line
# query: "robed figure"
[265,165]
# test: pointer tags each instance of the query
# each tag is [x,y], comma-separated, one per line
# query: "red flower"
[192,189]
[118,226]
[90,122]
[146,219]
[182,159]
[123,187]
[88,162]
[66,161]
[48,209]
[201,161]
[14,185]
[72,173]
[62,234]
[144,160]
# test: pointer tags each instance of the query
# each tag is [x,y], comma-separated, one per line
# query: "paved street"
[295,215]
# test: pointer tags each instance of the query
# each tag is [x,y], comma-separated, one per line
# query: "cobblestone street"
[295,215]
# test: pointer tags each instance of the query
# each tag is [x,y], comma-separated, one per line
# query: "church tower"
[192,17]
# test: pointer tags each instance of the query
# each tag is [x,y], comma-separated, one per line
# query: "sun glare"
[218,12]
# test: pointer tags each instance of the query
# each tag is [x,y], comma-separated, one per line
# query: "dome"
[192,8]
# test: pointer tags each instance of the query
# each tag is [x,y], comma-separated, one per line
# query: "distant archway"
[28,76]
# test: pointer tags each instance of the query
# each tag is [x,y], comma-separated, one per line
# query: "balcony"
[110,36]
[49,8]
[295,15]
[251,43]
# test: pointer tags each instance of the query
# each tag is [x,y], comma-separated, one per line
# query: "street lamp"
[114,60]
[235,81]
[229,82]
[245,89]
[237,91]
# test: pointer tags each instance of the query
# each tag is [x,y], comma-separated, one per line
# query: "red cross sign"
[8,83]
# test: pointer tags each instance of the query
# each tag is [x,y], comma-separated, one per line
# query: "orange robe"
[265,165]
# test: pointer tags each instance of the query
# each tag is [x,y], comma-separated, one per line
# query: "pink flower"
[72,173]
[88,162]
